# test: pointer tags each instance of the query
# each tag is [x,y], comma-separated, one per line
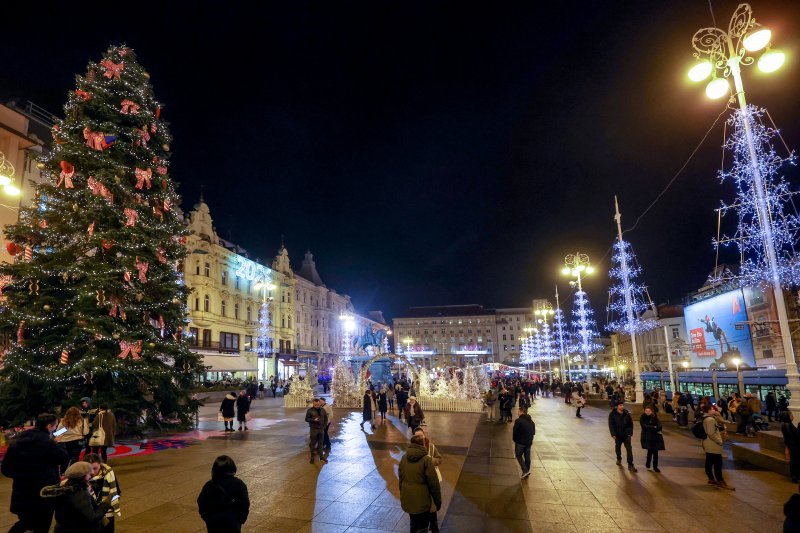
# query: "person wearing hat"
[413,413]
[75,509]
[32,461]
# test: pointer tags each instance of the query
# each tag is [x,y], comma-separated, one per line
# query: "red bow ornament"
[5,281]
[161,170]
[142,267]
[132,349]
[143,177]
[94,140]
[112,70]
[132,216]
[116,309]
[129,107]
[83,94]
[67,171]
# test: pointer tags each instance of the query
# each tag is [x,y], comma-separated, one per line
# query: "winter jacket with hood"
[32,461]
[713,442]
[227,406]
[419,484]
[75,511]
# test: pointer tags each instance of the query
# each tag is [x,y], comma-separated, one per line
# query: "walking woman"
[368,410]
[712,445]
[77,429]
[390,396]
[578,401]
[652,439]
[242,408]
[414,414]
[382,406]
[104,429]
[227,410]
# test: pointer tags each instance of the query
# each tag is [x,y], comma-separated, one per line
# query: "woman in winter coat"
[75,509]
[414,414]
[77,429]
[382,404]
[224,502]
[578,401]
[227,410]
[242,408]
[368,410]
[652,439]
[106,420]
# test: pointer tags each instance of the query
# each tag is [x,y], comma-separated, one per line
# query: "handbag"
[431,451]
[220,418]
[98,437]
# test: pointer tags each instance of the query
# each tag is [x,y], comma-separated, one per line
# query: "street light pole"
[723,53]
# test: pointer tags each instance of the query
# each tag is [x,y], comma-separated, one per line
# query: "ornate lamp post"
[577,265]
[542,313]
[721,55]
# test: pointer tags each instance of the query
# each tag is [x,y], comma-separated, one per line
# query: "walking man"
[317,420]
[420,491]
[620,425]
[523,432]
[329,413]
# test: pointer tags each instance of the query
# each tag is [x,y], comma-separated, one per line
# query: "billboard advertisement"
[716,339]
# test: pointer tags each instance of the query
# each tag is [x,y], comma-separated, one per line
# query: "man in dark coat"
[419,484]
[402,398]
[32,461]
[317,419]
[620,425]
[522,433]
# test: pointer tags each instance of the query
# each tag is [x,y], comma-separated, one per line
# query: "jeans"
[315,444]
[618,442]
[714,460]
[493,412]
[652,456]
[523,451]
[420,522]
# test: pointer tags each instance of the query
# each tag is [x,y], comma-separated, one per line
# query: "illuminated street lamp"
[736,361]
[543,312]
[577,265]
[725,52]
[348,326]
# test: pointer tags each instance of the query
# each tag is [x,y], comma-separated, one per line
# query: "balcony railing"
[214,346]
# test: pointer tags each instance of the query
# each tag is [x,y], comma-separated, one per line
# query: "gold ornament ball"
[115,336]
[151,345]
[165,146]
[146,75]
[46,307]
[117,179]
[139,296]
[40,165]
[176,301]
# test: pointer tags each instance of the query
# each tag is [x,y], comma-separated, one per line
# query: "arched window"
[249,314]
[197,304]
[222,307]
[197,267]
[206,303]
[236,311]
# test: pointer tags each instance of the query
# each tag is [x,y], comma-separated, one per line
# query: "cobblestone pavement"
[575,484]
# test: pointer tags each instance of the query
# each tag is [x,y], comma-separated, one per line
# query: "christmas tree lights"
[628,298]
[584,328]
[96,295]
[784,224]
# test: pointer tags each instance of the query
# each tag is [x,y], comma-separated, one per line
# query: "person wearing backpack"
[712,445]
[223,502]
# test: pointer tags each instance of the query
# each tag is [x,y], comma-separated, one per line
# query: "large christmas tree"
[94,303]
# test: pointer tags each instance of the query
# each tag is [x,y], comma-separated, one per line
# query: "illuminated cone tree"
[95,303]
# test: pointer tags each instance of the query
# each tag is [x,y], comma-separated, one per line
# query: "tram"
[720,383]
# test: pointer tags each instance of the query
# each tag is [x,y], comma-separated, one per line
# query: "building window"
[206,338]
[228,341]
[194,335]
[197,304]
[283,322]
[223,307]
[197,268]
[224,277]
[208,270]
[505,347]
[676,333]
[289,320]
[236,282]
[512,336]
[504,338]
[206,303]
[249,314]
[248,343]
[236,311]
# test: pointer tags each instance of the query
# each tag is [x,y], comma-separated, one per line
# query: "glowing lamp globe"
[590,270]
[757,40]
[11,189]
[717,88]
[700,71]
[4,180]
[771,61]
[565,271]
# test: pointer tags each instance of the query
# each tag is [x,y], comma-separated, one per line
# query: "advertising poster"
[714,336]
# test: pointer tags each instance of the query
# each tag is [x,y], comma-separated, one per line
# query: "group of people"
[83,495]
[235,406]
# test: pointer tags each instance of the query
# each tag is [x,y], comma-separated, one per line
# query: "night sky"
[431,153]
